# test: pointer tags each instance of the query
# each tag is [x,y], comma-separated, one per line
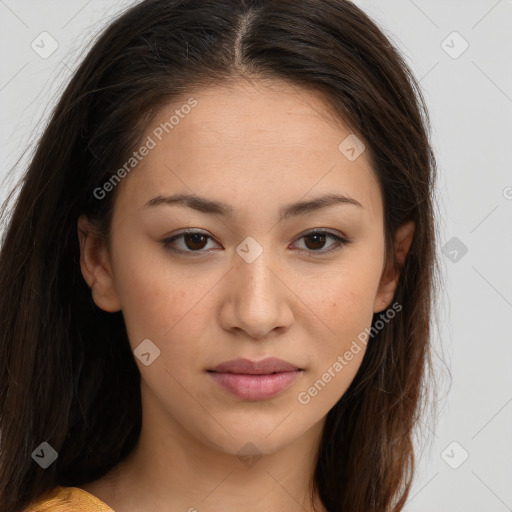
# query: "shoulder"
[68,499]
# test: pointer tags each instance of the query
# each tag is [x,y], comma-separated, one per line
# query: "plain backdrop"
[461,51]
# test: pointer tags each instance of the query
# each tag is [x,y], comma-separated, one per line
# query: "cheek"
[346,307]
[347,298]
[158,301]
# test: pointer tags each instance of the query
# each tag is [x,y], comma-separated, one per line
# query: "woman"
[219,272]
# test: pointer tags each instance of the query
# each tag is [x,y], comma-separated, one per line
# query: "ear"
[402,242]
[96,267]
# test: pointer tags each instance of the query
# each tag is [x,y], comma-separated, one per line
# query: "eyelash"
[341,242]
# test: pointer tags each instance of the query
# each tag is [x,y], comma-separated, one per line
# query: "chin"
[257,438]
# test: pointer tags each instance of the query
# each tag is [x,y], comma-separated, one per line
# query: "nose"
[256,300]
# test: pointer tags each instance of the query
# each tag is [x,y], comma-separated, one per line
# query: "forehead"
[262,142]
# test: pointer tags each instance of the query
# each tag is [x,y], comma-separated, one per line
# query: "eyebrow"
[210,206]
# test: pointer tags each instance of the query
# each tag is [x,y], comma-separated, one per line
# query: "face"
[265,270]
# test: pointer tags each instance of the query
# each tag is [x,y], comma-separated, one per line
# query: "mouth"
[251,380]
[266,366]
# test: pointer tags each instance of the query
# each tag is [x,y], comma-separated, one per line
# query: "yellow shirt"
[68,499]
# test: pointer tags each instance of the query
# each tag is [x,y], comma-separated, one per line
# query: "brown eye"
[195,241]
[315,242]
[190,242]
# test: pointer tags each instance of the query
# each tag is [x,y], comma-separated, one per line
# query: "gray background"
[469,94]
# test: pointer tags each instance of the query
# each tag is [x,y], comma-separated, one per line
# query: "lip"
[255,380]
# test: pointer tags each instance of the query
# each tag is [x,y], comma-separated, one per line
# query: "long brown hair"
[67,373]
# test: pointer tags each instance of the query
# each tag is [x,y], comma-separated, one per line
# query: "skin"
[258,147]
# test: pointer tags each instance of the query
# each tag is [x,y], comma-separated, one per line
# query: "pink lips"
[252,380]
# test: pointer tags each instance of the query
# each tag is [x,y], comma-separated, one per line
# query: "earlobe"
[403,238]
[96,268]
